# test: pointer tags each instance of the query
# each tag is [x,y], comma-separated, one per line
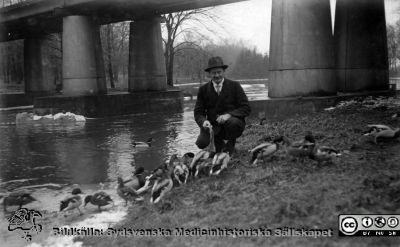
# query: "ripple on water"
[43,159]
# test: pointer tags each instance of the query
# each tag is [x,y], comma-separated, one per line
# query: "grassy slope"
[295,194]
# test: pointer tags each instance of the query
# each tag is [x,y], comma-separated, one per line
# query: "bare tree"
[115,40]
[108,53]
[180,27]
[392,47]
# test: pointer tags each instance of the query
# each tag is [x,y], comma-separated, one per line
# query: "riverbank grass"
[284,192]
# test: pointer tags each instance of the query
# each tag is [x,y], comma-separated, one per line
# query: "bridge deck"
[18,20]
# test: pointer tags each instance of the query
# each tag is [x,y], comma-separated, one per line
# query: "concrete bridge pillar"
[39,72]
[361,45]
[147,70]
[302,49]
[83,65]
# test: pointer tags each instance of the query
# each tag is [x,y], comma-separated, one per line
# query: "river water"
[92,152]
[48,159]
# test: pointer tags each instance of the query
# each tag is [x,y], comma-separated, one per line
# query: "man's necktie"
[218,89]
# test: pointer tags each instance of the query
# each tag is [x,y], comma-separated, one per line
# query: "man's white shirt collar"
[221,85]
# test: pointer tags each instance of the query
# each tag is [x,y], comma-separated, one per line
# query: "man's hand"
[206,124]
[223,118]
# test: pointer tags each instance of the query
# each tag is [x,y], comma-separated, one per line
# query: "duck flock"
[179,170]
[308,147]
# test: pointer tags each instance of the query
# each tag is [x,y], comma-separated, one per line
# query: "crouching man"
[222,104]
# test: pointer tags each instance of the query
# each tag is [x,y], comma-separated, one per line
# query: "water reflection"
[99,150]
[92,152]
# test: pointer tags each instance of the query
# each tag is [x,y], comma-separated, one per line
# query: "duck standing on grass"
[187,158]
[72,202]
[162,185]
[126,193]
[201,161]
[298,149]
[382,131]
[179,171]
[203,167]
[138,179]
[324,154]
[17,198]
[320,153]
[264,150]
[143,144]
[98,199]
[219,162]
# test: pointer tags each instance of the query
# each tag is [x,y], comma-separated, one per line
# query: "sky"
[250,21]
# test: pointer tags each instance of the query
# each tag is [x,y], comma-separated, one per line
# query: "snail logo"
[24,220]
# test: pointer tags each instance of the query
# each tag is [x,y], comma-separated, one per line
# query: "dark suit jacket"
[209,104]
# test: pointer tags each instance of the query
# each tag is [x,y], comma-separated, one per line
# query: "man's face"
[217,74]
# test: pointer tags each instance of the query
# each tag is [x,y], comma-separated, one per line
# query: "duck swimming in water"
[72,202]
[143,144]
[98,199]
[382,131]
[17,198]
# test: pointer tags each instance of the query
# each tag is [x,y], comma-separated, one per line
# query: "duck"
[382,131]
[203,167]
[158,171]
[179,171]
[297,149]
[139,182]
[324,153]
[138,179]
[187,158]
[17,198]
[373,128]
[162,185]
[201,161]
[143,144]
[145,187]
[219,162]
[127,193]
[98,199]
[264,150]
[72,202]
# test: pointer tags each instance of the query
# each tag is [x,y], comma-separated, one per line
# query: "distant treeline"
[244,63]
[190,59]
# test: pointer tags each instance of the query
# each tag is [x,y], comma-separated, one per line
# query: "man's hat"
[215,62]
